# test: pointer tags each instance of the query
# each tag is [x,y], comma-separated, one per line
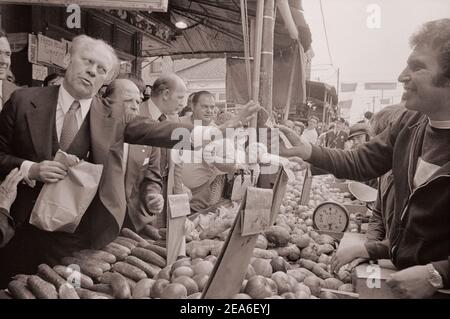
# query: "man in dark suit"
[36,122]
[141,162]
[6,87]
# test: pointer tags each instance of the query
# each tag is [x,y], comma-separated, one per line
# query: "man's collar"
[66,101]
[444,125]
[154,111]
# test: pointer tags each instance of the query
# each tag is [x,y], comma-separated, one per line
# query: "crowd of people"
[102,118]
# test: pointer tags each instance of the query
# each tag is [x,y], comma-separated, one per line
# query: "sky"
[368,41]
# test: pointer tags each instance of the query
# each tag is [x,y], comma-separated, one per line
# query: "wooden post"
[245,36]
[324,106]
[266,76]
[291,84]
[257,35]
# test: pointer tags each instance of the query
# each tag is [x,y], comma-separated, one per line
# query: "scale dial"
[331,216]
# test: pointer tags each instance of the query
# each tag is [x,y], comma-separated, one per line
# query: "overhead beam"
[212,4]
[206,14]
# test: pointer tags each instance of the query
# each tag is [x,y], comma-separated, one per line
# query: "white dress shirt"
[64,102]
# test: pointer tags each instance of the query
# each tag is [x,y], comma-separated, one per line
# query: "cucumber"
[129,271]
[42,289]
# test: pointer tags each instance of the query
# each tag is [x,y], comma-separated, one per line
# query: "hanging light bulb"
[181,24]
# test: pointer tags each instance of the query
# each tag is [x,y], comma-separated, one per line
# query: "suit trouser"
[161,219]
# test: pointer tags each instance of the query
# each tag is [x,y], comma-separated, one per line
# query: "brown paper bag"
[60,206]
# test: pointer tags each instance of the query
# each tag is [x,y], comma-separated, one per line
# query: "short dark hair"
[198,94]
[436,35]
[51,77]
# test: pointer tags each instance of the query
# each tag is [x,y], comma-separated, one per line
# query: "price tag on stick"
[178,208]
[256,215]
[229,271]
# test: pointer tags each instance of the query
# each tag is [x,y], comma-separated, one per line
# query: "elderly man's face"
[204,109]
[5,57]
[128,95]
[420,83]
[88,70]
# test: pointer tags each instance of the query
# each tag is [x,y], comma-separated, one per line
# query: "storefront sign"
[58,54]
[147,5]
[45,47]
[39,72]
[380,86]
[32,48]
[50,51]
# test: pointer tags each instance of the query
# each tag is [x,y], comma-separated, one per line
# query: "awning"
[214,28]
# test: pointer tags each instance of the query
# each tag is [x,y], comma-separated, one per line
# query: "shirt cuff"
[442,268]
[25,169]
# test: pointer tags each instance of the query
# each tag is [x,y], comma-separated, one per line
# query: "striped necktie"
[70,126]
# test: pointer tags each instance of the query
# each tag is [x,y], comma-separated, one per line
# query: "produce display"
[290,260]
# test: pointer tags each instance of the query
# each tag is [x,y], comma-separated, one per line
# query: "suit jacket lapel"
[102,130]
[38,117]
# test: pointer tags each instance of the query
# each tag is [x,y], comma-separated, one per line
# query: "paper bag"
[60,206]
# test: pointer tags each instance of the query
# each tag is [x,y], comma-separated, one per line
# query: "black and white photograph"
[223,150]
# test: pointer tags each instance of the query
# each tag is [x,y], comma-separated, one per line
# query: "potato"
[313,283]
[262,253]
[262,267]
[297,274]
[325,239]
[261,242]
[302,241]
[277,235]
[333,283]
[309,253]
[325,249]
[282,281]
[279,264]
[324,259]
[302,291]
[306,263]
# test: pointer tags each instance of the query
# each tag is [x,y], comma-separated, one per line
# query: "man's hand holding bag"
[61,205]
